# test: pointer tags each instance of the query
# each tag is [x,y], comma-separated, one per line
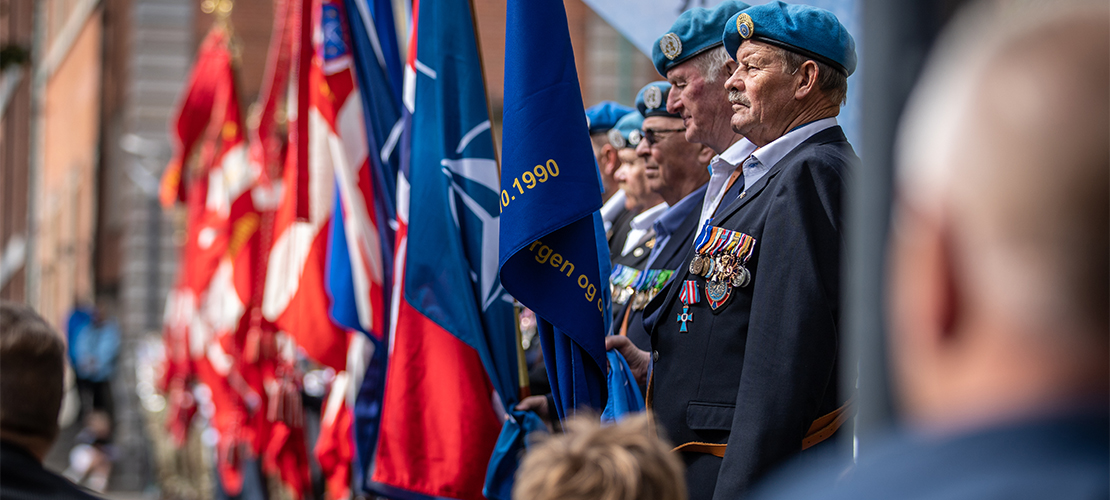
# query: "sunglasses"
[651,135]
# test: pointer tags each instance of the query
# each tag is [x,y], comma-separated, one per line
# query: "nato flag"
[553,252]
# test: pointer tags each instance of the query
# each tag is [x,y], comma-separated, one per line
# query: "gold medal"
[726,267]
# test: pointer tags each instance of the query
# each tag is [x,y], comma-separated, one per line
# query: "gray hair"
[833,82]
[712,63]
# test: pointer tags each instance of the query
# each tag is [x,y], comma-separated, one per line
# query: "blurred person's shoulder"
[22,477]
[1062,457]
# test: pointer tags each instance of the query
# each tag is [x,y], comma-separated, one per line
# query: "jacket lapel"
[831,134]
[680,236]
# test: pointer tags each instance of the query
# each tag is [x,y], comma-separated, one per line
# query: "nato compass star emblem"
[474,182]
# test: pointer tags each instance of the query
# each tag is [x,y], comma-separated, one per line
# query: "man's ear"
[705,155]
[927,292]
[806,79]
[950,288]
[612,159]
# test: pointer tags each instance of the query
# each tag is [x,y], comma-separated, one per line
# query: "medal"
[742,278]
[717,293]
[720,257]
[620,283]
[697,264]
[701,246]
[726,265]
[637,301]
[688,296]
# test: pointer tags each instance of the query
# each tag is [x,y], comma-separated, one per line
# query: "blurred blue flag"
[377,68]
[452,378]
[554,258]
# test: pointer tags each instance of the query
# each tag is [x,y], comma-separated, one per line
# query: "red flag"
[194,109]
[334,450]
[295,298]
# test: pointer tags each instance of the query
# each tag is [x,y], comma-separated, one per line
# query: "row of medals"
[720,271]
[621,295]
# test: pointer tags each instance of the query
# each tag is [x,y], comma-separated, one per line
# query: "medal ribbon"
[641,280]
[623,276]
[700,244]
[615,275]
[689,293]
[747,246]
[660,279]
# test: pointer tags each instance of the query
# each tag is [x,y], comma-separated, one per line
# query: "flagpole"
[522,370]
[521,361]
[485,91]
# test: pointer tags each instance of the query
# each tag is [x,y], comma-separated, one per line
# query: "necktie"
[734,186]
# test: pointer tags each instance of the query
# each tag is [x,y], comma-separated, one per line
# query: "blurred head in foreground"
[32,368]
[1000,249]
[625,461]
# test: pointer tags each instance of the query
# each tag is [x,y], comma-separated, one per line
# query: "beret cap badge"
[634,138]
[653,98]
[744,26]
[671,45]
[616,139]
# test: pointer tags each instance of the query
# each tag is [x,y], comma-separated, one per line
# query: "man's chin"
[737,125]
[691,132]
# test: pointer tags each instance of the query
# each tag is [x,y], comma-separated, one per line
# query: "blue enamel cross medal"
[688,296]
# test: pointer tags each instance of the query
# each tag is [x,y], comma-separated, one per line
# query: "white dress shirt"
[612,208]
[770,154]
[720,168]
[641,227]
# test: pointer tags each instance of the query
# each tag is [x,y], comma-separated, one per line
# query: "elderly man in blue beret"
[692,58]
[632,241]
[675,171]
[601,118]
[744,359]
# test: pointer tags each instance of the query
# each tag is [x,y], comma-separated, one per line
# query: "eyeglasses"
[651,135]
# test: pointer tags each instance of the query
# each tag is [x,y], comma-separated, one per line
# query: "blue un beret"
[626,133]
[812,32]
[652,100]
[603,115]
[695,31]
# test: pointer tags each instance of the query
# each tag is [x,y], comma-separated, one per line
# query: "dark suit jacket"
[22,476]
[617,233]
[758,371]
[670,257]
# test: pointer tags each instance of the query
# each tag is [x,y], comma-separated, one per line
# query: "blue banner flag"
[377,66]
[554,257]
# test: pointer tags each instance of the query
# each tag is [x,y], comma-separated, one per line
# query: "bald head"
[1005,173]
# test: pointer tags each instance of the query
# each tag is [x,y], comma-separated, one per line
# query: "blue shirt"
[669,222]
[96,348]
[1058,457]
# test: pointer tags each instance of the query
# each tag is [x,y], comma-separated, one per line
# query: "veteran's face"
[630,176]
[670,160]
[702,105]
[761,93]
